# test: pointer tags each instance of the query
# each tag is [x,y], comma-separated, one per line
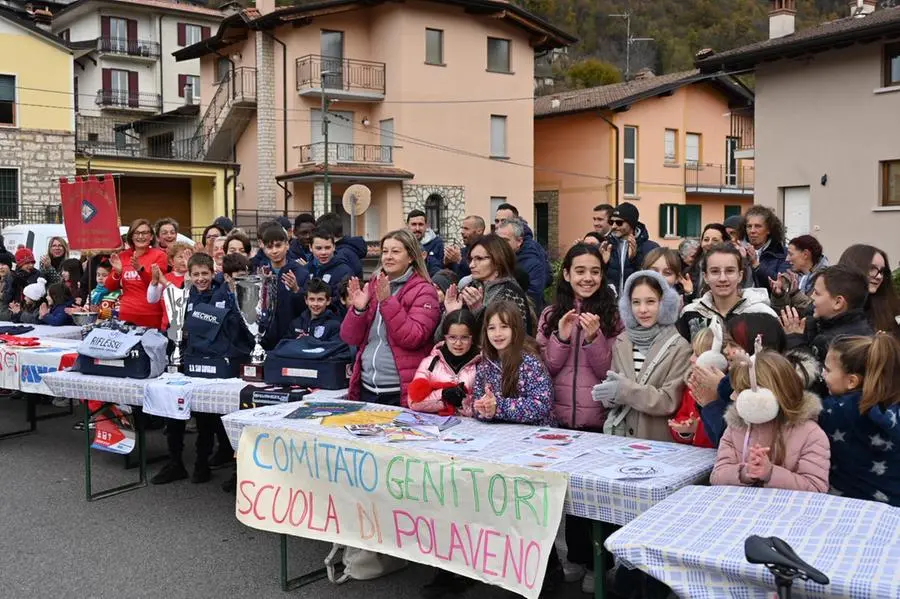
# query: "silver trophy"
[255,295]
[175,300]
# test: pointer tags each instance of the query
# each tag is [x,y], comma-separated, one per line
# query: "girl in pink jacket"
[772,439]
[576,336]
[445,379]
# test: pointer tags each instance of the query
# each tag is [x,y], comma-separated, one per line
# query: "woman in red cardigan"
[132,273]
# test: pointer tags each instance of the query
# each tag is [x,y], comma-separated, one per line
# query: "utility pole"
[325,139]
[629,41]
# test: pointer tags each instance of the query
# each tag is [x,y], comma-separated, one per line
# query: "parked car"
[37,238]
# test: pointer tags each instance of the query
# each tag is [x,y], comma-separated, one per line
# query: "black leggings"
[208,426]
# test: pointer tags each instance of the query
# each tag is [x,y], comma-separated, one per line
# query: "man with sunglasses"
[630,243]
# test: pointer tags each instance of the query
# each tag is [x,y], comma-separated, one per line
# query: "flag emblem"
[88,212]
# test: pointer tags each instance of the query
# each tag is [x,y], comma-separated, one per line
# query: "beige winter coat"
[646,404]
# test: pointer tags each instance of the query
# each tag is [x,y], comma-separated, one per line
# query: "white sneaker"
[61,402]
[587,583]
[572,572]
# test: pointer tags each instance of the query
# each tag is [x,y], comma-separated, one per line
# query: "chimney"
[781,18]
[264,6]
[644,74]
[42,18]
[861,8]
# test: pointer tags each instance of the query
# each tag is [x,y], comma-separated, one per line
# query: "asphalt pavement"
[172,541]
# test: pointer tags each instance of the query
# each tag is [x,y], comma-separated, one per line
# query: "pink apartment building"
[676,146]
[429,105]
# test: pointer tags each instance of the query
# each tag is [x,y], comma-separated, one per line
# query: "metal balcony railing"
[346,153]
[718,179]
[128,47]
[340,74]
[743,128]
[123,99]
[104,136]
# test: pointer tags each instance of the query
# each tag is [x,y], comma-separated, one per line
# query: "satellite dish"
[356,199]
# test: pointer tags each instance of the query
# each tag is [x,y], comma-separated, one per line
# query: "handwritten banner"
[491,522]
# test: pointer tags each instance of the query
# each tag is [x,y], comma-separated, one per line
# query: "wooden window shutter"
[107,80]
[182,34]
[133,92]
[204,32]
[132,30]
[182,82]
[104,27]
[663,220]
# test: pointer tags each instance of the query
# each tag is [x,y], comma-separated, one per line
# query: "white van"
[37,238]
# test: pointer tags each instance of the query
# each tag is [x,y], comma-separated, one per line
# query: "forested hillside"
[679,27]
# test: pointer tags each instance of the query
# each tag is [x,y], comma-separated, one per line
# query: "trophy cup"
[175,300]
[255,295]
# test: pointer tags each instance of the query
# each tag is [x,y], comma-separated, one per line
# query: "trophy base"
[174,368]
[252,373]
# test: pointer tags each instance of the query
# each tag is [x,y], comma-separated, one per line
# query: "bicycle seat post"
[784,582]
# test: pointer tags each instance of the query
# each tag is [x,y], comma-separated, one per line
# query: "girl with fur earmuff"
[650,360]
[772,439]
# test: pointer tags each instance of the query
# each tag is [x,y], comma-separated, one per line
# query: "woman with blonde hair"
[51,262]
[391,319]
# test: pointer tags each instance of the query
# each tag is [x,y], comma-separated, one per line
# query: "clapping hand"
[382,287]
[358,297]
[452,255]
[759,467]
[566,325]
[45,262]
[590,324]
[632,247]
[15,307]
[791,321]
[486,407]
[473,297]
[290,281]
[44,310]
[155,275]
[686,428]
[687,283]
[452,300]
[116,262]
[135,264]
[606,251]
[606,392]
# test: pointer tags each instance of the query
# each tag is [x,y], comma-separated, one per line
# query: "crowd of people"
[741,340]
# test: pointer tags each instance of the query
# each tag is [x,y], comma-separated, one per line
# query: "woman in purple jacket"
[576,336]
[391,319]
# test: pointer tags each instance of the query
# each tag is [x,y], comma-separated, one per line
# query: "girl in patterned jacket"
[511,382]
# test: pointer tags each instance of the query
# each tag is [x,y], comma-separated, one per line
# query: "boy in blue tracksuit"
[290,285]
[349,250]
[300,248]
[216,343]
[325,265]
[318,320]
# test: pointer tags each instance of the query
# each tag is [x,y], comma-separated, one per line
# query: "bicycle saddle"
[775,553]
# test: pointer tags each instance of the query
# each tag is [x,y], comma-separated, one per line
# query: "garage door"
[154,198]
[796,215]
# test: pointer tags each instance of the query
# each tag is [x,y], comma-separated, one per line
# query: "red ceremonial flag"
[90,213]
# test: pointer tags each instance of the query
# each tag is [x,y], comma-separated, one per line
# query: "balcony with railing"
[340,78]
[743,130]
[343,153]
[118,99]
[144,50]
[119,138]
[719,179]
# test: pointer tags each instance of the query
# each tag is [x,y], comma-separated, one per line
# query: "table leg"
[30,417]
[303,579]
[142,461]
[599,560]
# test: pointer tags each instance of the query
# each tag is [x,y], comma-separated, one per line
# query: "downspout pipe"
[284,123]
[618,162]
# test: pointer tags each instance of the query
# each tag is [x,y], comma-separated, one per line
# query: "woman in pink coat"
[445,379]
[391,320]
[772,439]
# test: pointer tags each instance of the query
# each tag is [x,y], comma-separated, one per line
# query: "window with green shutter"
[732,211]
[7,99]
[689,221]
[9,193]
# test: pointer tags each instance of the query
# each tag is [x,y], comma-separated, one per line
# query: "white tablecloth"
[45,331]
[694,542]
[589,496]
[23,368]
[222,398]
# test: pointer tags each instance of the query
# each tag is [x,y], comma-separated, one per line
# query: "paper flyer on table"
[551,437]
[637,469]
[544,457]
[456,441]
[639,449]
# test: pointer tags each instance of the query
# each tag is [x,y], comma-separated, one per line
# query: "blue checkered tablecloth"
[694,542]
[589,495]
[220,398]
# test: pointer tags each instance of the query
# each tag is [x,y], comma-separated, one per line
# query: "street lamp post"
[327,180]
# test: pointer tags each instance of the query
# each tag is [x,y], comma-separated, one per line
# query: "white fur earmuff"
[756,405]
[714,357]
